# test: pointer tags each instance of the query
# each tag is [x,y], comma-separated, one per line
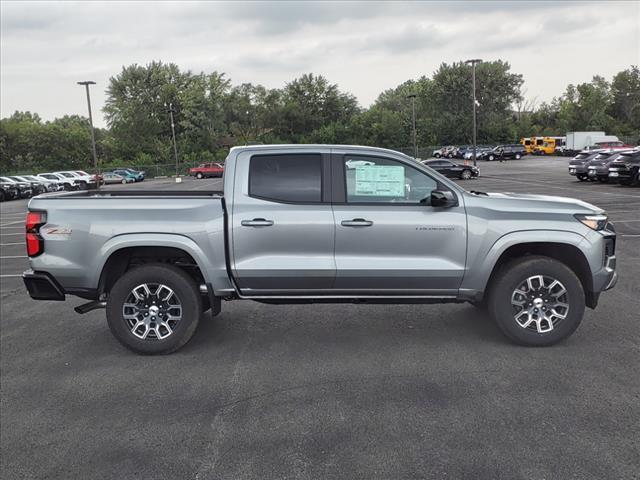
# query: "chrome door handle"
[356,222]
[256,222]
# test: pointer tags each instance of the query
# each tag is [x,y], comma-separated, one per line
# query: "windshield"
[50,176]
[80,172]
[7,180]
[66,174]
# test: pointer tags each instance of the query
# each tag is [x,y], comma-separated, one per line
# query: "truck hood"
[548,202]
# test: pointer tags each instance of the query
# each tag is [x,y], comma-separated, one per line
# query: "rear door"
[282,223]
[388,241]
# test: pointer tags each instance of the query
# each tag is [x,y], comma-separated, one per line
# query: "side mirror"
[442,198]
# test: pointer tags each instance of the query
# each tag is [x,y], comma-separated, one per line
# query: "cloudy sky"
[364,47]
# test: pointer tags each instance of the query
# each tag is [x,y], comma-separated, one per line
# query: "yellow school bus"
[528,144]
[549,145]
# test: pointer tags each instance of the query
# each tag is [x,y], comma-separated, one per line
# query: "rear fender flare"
[181,242]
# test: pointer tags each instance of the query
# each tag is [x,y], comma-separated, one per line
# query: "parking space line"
[11,275]
[11,223]
[629,235]
[14,256]
[542,184]
[7,244]
[10,234]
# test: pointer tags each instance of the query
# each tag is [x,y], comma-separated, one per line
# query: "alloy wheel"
[539,303]
[152,311]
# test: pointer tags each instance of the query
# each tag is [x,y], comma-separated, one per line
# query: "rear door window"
[290,178]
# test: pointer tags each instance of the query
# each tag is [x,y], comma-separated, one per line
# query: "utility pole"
[86,84]
[173,134]
[473,63]
[413,96]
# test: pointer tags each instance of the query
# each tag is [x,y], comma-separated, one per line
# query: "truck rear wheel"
[537,301]
[154,309]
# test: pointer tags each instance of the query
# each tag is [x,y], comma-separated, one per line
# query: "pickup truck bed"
[319,223]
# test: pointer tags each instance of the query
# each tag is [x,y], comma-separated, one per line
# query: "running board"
[88,307]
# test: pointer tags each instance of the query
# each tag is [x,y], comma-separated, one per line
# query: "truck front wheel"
[536,301]
[154,309]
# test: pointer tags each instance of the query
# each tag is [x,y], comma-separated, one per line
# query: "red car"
[207,170]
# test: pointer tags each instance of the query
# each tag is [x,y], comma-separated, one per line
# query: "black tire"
[124,181]
[512,276]
[465,174]
[625,181]
[491,158]
[199,176]
[184,289]
[437,155]
[603,179]
[582,178]
[2,196]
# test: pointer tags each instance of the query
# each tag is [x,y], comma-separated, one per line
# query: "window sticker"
[380,180]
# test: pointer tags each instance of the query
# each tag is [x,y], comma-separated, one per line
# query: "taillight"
[35,243]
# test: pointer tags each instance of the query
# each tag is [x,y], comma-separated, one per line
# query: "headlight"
[594,222]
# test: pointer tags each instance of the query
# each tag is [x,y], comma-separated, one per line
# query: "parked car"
[453,170]
[598,166]
[390,232]
[36,187]
[67,182]
[443,151]
[207,170]
[578,165]
[138,174]
[110,177]
[504,152]
[469,153]
[626,168]
[49,185]
[8,190]
[126,174]
[24,188]
[83,180]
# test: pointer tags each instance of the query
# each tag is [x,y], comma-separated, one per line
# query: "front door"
[389,240]
[282,224]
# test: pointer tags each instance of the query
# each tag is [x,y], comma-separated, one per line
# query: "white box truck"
[577,141]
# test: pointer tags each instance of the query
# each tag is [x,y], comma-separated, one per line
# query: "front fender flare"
[478,272]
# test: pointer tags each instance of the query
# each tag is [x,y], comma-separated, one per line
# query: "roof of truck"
[303,146]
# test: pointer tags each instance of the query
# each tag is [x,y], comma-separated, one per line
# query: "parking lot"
[327,391]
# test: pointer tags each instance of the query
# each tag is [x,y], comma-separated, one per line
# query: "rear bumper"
[42,286]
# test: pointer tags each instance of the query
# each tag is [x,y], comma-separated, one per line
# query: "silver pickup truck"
[319,223]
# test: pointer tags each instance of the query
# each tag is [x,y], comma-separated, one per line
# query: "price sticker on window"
[380,180]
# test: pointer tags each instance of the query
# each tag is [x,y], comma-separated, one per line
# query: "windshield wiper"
[477,192]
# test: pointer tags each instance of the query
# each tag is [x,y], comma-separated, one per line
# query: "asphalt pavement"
[327,391]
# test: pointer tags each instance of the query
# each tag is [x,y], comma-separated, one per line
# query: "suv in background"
[24,188]
[598,167]
[442,151]
[67,182]
[504,152]
[8,190]
[626,168]
[578,165]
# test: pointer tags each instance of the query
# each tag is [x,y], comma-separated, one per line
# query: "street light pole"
[86,84]
[173,134]
[413,96]
[473,63]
